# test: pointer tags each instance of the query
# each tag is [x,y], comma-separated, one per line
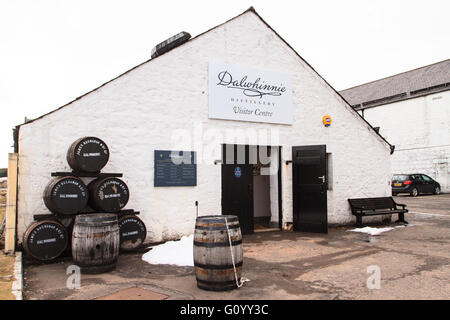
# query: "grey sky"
[54,51]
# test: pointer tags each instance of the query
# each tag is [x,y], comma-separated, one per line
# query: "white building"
[184,100]
[412,111]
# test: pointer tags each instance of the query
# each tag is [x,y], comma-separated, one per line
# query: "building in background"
[411,111]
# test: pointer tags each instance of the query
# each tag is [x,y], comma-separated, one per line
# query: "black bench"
[363,207]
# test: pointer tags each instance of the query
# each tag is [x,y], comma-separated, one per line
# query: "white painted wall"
[138,113]
[420,130]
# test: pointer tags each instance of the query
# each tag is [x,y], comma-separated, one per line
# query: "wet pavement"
[413,263]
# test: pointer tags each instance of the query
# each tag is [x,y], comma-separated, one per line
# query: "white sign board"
[237,93]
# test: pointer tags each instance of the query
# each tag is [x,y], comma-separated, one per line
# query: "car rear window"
[400,177]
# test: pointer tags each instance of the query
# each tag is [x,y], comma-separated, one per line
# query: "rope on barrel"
[243,279]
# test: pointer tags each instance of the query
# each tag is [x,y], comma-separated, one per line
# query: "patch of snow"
[372,231]
[377,231]
[178,253]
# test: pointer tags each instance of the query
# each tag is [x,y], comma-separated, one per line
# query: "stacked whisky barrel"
[79,209]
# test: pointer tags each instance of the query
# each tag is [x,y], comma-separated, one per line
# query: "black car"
[414,184]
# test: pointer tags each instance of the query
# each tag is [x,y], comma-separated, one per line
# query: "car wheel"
[437,190]
[414,192]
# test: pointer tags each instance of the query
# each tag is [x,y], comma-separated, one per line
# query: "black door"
[309,165]
[237,186]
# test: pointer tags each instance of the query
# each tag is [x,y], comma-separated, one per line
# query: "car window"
[426,178]
[399,177]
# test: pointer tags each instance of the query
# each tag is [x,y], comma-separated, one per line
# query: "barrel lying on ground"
[66,195]
[95,242]
[132,232]
[45,240]
[88,154]
[212,256]
[108,194]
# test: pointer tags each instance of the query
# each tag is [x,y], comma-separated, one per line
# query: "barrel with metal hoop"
[132,232]
[108,194]
[66,195]
[45,240]
[95,242]
[88,154]
[218,264]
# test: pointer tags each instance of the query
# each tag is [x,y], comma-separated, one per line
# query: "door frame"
[279,177]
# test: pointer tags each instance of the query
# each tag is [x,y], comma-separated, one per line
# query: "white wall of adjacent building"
[420,130]
[139,112]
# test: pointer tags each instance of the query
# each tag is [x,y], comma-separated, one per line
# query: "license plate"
[397,184]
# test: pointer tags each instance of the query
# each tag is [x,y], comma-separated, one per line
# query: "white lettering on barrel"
[68,196]
[93,154]
[46,241]
[113,195]
[126,234]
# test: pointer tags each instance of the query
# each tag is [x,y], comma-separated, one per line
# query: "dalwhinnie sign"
[237,93]
[250,89]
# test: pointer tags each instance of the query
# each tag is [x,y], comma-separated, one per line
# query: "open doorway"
[251,186]
[265,186]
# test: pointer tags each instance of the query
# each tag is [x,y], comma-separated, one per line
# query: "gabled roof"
[16,130]
[67,104]
[410,84]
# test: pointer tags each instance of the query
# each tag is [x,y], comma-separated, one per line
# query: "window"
[426,178]
[400,178]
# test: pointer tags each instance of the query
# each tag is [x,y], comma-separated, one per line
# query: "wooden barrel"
[95,242]
[212,257]
[66,195]
[108,194]
[132,232]
[45,240]
[88,154]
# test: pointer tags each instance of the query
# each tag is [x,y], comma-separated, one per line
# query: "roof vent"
[170,43]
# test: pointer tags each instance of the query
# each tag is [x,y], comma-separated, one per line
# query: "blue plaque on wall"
[175,168]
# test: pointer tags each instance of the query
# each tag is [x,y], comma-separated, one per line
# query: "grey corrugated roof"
[432,78]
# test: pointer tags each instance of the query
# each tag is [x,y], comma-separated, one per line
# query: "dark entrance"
[237,185]
[309,165]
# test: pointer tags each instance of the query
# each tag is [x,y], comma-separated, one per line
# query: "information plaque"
[175,168]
